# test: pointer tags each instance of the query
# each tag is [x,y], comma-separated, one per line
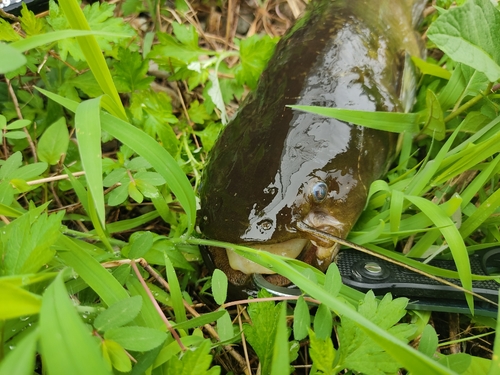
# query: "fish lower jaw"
[290,249]
[325,255]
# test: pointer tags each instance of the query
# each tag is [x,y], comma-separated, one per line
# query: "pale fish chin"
[290,249]
[325,253]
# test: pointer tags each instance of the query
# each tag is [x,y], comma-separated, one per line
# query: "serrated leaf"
[219,286]
[136,338]
[255,52]
[170,47]
[26,242]
[322,353]
[197,112]
[357,351]
[54,142]
[31,24]
[469,34]
[130,72]
[262,332]
[7,33]
[193,362]
[118,314]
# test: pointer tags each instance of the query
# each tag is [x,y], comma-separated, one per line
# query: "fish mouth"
[309,248]
[291,249]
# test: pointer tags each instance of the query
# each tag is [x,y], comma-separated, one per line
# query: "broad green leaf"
[333,280]
[430,69]
[148,316]
[428,341]
[118,314]
[469,35]
[140,339]
[12,163]
[140,245]
[54,142]
[457,362]
[434,123]
[16,58]
[18,124]
[224,327]
[387,121]
[301,319]
[200,320]
[323,322]
[16,302]
[21,360]
[67,345]
[116,355]
[219,286]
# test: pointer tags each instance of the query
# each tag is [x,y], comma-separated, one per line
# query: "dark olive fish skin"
[273,166]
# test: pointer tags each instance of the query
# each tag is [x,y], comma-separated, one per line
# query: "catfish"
[273,167]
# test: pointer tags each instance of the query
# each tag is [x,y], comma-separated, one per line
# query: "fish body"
[273,166]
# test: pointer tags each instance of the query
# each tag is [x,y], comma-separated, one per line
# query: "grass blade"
[35,41]
[396,122]
[90,270]
[150,150]
[88,134]
[93,55]
[66,343]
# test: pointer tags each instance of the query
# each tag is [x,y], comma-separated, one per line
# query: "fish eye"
[319,192]
[266,224]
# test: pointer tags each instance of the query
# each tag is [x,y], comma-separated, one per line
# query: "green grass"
[102,273]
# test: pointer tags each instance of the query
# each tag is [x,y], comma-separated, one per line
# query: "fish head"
[327,197]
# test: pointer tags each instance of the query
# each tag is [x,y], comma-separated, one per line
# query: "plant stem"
[469,104]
